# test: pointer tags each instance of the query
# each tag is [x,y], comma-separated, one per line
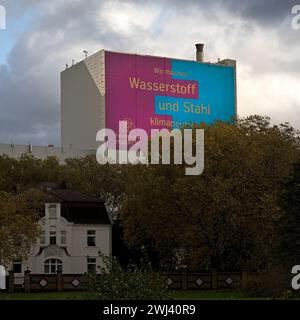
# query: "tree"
[85,175]
[287,253]
[106,182]
[19,216]
[223,219]
[26,172]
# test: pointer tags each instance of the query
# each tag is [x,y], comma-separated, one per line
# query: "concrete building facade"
[83,106]
[82,102]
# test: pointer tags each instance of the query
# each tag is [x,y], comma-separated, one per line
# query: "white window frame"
[17,262]
[63,237]
[52,266]
[91,236]
[52,234]
[91,261]
[43,238]
[52,211]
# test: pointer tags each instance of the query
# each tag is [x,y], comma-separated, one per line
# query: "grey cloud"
[265,12]
[268,12]
[29,84]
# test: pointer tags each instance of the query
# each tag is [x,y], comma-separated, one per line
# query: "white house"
[75,228]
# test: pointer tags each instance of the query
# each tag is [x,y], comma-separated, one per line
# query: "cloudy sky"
[42,36]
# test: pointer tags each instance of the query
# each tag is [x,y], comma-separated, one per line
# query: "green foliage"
[104,181]
[133,283]
[19,216]
[287,252]
[227,218]
[84,174]
[273,283]
[223,219]
[27,172]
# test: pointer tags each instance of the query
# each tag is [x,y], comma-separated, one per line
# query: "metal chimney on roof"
[199,53]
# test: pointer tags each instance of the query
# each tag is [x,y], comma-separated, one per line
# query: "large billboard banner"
[154,93]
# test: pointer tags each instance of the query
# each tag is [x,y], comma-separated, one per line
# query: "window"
[53,266]
[52,211]
[63,237]
[91,238]
[43,237]
[52,237]
[17,266]
[91,265]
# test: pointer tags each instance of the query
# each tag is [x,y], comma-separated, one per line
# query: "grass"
[177,295]
[209,295]
[45,296]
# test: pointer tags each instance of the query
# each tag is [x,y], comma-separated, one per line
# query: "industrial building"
[108,87]
[146,91]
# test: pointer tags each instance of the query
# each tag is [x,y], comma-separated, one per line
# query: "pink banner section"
[171,87]
[133,82]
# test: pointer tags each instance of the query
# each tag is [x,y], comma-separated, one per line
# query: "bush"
[273,283]
[133,283]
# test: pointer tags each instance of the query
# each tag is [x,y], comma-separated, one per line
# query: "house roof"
[85,213]
[65,195]
[77,207]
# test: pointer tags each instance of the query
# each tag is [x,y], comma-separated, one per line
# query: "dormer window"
[52,209]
